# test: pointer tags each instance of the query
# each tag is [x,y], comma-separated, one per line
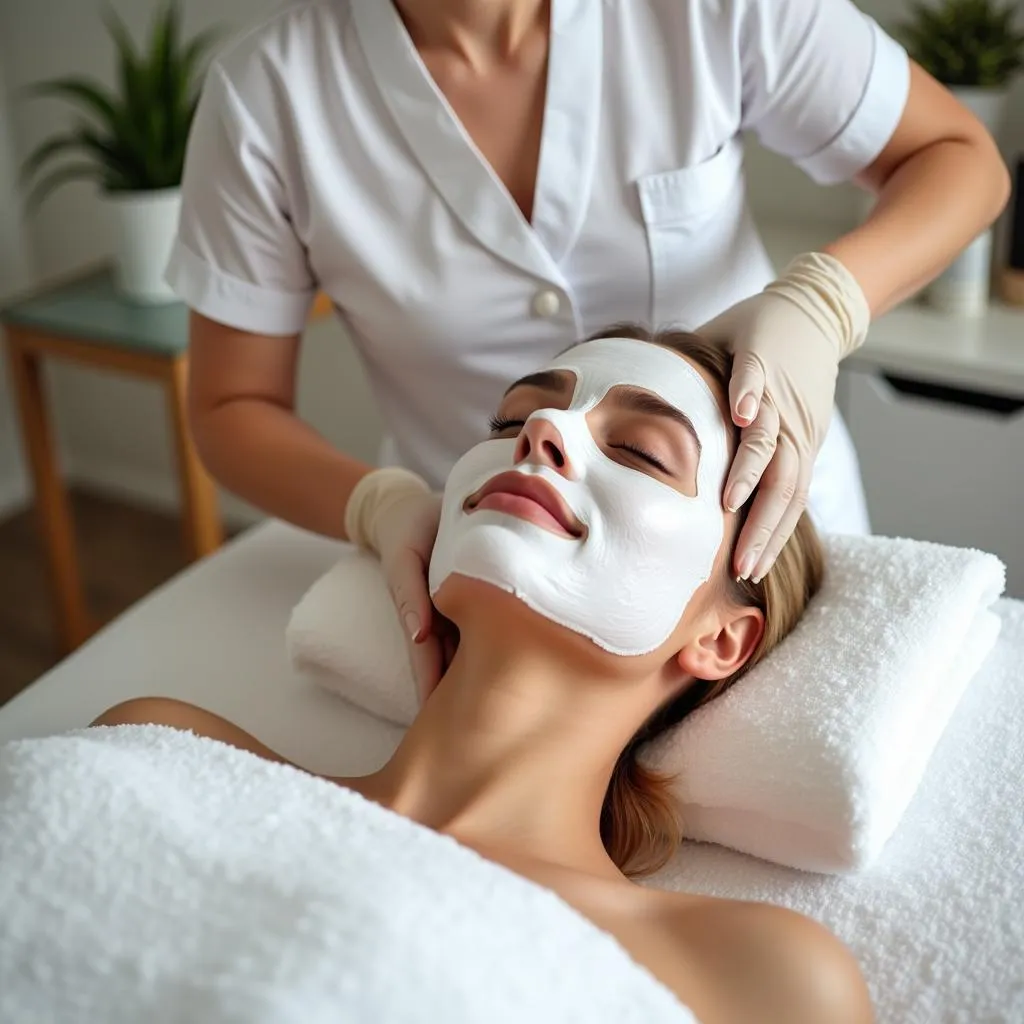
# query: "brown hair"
[640,825]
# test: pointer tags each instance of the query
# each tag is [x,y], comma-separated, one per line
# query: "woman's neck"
[478,31]
[514,751]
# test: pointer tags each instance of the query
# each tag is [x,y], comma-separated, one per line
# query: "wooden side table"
[87,322]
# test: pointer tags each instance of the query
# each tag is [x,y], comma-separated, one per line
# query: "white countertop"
[984,353]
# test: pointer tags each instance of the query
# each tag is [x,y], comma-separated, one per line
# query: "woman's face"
[597,500]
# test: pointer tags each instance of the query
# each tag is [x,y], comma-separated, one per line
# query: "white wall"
[114,432]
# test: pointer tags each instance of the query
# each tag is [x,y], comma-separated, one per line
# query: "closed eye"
[642,453]
[499,424]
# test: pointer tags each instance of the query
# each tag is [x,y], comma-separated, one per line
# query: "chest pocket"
[691,219]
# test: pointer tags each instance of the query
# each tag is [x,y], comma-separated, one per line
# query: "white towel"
[345,636]
[150,875]
[937,924]
[812,758]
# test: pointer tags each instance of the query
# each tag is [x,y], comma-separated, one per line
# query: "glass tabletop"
[92,309]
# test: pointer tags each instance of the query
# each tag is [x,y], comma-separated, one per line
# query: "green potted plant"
[972,46]
[975,49]
[131,140]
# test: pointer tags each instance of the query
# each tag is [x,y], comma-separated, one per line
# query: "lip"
[534,490]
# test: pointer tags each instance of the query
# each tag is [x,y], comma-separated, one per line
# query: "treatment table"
[937,924]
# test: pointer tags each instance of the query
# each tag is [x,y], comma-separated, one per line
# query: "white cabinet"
[940,462]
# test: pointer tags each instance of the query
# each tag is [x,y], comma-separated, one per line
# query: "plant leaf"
[141,129]
[964,42]
[59,177]
[93,96]
[128,58]
[116,159]
[134,84]
[44,153]
[162,74]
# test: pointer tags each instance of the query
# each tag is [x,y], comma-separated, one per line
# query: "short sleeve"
[822,84]
[237,258]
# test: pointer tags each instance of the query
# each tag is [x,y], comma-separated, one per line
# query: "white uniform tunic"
[324,156]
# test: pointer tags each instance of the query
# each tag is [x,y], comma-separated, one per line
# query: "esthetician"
[477,184]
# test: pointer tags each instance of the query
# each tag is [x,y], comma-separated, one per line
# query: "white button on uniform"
[546,303]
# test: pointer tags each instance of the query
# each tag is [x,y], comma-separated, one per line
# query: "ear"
[724,647]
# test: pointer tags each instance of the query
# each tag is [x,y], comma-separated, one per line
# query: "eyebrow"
[548,380]
[640,401]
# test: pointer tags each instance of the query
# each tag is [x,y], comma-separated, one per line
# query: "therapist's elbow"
[221,432]
[204,427]
[1005,185]
[989,176]
[213,438]
[939,137]
[972,156]
[994,172]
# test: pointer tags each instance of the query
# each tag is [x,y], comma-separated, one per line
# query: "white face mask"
[646,549]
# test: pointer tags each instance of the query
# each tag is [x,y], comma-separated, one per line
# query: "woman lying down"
[583,557]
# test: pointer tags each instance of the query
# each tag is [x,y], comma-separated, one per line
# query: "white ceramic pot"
[963,289]
[145,225]
[987,105]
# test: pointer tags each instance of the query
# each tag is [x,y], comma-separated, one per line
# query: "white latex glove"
[393,513]
[787,342]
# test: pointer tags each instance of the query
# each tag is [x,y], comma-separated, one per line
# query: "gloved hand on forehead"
[787,342]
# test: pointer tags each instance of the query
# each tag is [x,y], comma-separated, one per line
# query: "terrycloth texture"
[937,923]
[812,758]
[150,875]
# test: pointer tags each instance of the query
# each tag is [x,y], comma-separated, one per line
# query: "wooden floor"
[125,552]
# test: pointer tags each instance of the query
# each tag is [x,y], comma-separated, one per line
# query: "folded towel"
[811,759]
[823,786]
[151,875]
[345,635]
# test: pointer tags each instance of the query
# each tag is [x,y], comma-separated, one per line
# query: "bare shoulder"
[760,962]
[181,715]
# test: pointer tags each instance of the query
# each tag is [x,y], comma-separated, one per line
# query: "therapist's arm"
[940,182]
[242,413]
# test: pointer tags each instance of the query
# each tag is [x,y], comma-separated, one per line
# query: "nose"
[541,443]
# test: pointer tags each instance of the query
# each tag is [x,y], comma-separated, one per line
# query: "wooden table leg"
[204,532]
[51,501]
